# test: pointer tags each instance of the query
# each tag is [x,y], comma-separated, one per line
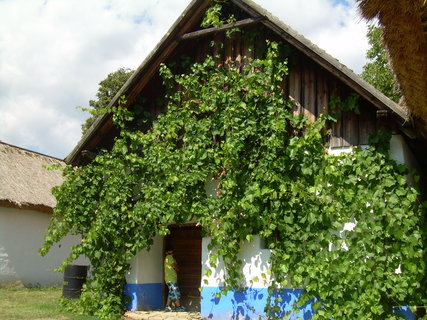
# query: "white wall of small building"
[21,236]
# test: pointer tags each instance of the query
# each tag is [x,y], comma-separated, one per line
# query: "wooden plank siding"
[295,86]
[367,122]
[322,94]
[309,90]
[309,86]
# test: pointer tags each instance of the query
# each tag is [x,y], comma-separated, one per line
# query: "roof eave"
[26,206]
[146,69]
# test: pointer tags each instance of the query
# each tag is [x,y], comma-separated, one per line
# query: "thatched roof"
[25,183]
[187,23]
[405,35]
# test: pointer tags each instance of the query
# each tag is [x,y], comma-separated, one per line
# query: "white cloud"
[54,53]
[337,29]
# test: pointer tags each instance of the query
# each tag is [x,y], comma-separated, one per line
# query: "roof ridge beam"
[205,32]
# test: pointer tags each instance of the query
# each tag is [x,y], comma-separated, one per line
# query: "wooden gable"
[309,86]
[314,78]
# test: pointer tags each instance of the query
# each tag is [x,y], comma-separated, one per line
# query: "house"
[314,79]
[26,205]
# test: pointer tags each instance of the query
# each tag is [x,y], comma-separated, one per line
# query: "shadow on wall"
[250,303]
[286,299]
[145,296]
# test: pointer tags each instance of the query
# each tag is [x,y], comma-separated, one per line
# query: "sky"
[54,53]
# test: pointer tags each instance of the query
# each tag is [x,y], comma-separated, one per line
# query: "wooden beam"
[204,32]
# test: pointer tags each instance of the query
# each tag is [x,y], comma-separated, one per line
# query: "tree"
[106,91]
[378,71]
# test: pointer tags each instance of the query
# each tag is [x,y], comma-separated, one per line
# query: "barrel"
[74,277]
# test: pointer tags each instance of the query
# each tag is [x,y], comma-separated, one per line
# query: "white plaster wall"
[21,235]
[338,151]
[400,152]
[255,265]
[147,266]
[397,149]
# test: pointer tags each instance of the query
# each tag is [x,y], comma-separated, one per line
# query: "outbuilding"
[26,206]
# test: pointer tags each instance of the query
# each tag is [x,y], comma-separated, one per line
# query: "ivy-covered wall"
[276,180]
[252,298]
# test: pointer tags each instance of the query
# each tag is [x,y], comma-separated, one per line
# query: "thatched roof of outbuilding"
[405,35]
[24,181]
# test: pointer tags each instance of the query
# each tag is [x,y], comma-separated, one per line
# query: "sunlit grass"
[35,303]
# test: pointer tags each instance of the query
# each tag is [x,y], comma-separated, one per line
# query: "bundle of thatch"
[24,181]
[405,35]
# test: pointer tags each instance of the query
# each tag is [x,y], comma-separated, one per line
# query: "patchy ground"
[161,315]
[43,304]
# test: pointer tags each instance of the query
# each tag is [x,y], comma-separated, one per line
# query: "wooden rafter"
[205,32]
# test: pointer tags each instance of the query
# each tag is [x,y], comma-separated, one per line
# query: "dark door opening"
[186,242]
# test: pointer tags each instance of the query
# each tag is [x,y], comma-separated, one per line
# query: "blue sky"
[343,2]
[54,53]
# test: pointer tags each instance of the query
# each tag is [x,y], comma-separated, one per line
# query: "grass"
[35,303]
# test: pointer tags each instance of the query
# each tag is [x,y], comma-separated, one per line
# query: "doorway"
[186,242]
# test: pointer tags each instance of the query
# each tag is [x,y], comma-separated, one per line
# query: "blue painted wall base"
[404,311]
[145,296]
[249,303]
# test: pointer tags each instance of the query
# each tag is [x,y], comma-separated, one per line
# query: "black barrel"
[74,277]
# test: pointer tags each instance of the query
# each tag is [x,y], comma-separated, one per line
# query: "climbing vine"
[274,180]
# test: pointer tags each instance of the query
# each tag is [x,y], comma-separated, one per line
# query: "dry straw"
[24,181]
[405,35]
